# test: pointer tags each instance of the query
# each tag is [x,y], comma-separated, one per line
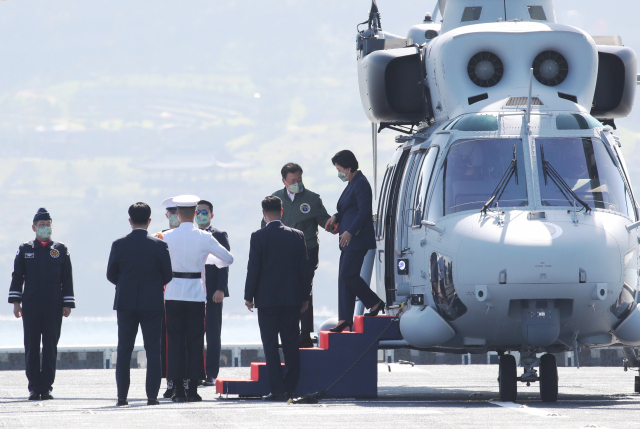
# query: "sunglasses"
[206,212]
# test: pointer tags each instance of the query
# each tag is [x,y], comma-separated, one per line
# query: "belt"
[187,275]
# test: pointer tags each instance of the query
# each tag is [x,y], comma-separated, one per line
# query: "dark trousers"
[214,330]
[185,340]
[151,324]
[281,320]
[306,318]
[163,346]
[351,285]
[41,322]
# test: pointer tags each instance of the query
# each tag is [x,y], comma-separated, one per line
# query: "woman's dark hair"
[345,159]
[139,213]
[290,167]
[272,204]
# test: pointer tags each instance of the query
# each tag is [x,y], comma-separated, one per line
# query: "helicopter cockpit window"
[537,13]
[471,14]
[476,123]
[471,173]
[585,167]
[575,121]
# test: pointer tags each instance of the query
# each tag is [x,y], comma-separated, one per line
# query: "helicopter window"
[423,185]
[588,170]
[382,201]
[476,123]
[537,13]
[471,14]
[471,172]
[406,209]
[442,288]
[622,307]
[574,121]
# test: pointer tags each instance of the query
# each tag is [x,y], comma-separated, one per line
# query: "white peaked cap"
[186,200]
[169,204]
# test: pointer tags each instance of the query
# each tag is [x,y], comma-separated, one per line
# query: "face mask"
[296,188]
[174,221]
[44,232]
[343,176]
[202,219]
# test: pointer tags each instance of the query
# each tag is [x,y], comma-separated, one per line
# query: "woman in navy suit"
[354,221]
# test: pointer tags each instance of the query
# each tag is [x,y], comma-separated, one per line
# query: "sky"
[103,104]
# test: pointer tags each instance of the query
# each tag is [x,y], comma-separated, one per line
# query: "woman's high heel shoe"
[379,308]
[342,326]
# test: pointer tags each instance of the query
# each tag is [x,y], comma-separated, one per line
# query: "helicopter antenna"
[529,98]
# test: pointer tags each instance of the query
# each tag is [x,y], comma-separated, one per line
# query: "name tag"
[29,255]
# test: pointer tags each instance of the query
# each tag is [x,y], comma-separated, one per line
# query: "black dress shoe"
[342,326]
[210,381]
[122,402]
[153,401]
[379,308]
[177,398]
[194,397]
[275,398]
[46,396]
[33,396]
[306,343]
[168,394]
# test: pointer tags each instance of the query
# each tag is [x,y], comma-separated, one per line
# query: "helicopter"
[505,219]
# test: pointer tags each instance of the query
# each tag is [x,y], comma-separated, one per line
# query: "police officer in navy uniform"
[217,287]
[43,266]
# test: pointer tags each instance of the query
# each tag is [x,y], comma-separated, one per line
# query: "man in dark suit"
[216,283]
[278,285]
[139,265]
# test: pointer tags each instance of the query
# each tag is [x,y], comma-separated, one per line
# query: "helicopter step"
[321,366]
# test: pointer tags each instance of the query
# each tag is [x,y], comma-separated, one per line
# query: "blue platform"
[321,366]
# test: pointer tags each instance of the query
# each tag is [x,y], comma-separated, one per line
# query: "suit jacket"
[217,278]
[140,266]
[355,214]
[278,268]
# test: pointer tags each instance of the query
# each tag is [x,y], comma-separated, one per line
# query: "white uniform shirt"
[189,248]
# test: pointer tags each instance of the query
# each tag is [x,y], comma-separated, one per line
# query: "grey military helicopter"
[505,219]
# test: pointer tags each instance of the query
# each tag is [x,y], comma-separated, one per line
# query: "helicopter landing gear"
[631,361]
[548,378]
[508,378]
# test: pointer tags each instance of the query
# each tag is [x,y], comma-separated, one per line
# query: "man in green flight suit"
[304,211]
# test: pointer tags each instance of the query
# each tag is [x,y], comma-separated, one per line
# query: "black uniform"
[45,272]
[216,279]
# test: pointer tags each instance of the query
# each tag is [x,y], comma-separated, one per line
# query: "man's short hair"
[345,159]
[207,203]
[290,167]
[272,204]
[187,212]
[139,213]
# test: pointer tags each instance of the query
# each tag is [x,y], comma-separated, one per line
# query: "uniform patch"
[29,255]
[305,208]
[18,252]
[54,253]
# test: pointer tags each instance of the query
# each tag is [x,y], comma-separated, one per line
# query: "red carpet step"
[321,366]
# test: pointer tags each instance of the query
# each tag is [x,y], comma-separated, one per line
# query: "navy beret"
[42,214]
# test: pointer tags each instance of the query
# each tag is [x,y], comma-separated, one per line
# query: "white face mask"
[296,188]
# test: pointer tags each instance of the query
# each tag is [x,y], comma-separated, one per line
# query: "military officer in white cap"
[185,298]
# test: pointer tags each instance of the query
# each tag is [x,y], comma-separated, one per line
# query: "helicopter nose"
[529,252]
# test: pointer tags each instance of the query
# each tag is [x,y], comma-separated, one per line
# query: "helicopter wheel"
[548,378]
[508,380]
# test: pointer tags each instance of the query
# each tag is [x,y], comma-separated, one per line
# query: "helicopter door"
[405,213]
[419,268]
[387,217]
